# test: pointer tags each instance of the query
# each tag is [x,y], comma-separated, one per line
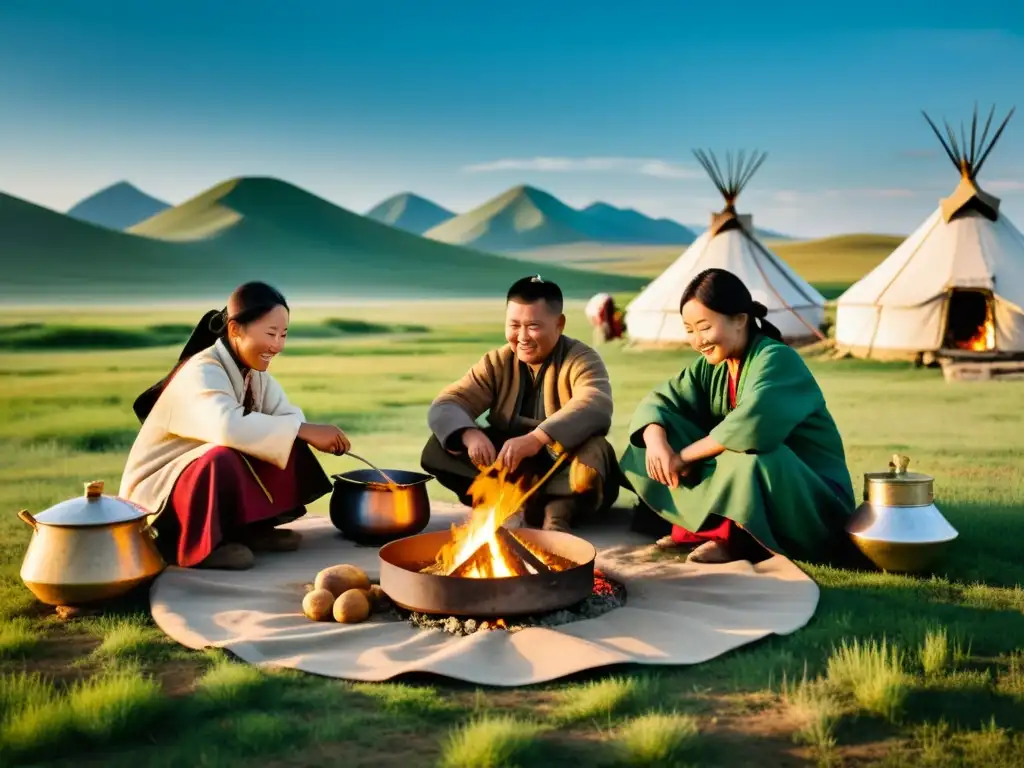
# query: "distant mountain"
[526,218]
[295,238]
[611,224]
[410,212]
[118,206]
[763,234]
[246,229]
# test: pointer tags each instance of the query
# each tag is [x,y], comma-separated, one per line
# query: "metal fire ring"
[406,587]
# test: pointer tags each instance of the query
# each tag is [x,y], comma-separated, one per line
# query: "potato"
[332,582]
[357,576]
[317,604]
[341,578]
[351,607]
[377,596]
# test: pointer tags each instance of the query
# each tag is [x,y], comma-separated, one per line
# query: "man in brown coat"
[544,394]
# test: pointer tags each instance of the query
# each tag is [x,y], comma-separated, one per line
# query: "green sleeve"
[682,398]
[781,394]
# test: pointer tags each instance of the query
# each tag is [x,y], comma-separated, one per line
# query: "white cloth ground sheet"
[676,614]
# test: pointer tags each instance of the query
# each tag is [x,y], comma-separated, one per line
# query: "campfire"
[984,338]
[970,325]
[483,548]
[481,568]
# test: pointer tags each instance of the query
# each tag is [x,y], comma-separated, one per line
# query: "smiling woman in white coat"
[223,457]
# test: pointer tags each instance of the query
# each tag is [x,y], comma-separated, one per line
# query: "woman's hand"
[663,464]
[326,438]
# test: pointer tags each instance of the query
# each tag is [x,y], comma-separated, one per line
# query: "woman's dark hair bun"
[724,292]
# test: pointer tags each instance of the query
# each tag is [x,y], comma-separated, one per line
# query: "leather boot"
[229,557]
[558,514]
[272,540]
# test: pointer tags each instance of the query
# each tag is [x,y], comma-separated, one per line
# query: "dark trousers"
[457,472]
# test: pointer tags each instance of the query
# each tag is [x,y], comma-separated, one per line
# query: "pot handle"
[148,527]
[26,516]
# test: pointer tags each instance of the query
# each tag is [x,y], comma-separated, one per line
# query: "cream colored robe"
[577,406]
[200,409]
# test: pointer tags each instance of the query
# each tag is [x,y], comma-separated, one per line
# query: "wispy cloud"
[1004,185]
[787,196]
[656,167]
[870,192]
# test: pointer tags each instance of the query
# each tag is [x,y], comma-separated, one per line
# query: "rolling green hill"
[49,255]
[521,218]
[246,229]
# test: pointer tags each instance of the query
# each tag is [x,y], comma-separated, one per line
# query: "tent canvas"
[794,306]
[956,283]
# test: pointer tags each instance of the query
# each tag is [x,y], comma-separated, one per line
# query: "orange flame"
[983,340]
[475,546]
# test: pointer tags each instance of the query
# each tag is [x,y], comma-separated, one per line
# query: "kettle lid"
[92,508]
[897,473]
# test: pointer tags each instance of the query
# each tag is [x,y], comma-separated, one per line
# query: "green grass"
[656,739]
[873,673]
[46,336]
[491,742]
[902,669]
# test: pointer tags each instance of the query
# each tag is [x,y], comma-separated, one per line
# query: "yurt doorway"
[970,321]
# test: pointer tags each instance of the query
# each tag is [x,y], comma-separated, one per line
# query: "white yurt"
[955,285]
[794,306]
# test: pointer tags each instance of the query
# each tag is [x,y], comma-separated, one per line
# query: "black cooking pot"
[368,510]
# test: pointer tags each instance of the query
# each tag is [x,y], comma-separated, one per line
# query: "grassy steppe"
[893,670]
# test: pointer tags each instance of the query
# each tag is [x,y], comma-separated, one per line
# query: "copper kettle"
[898,527]
[90,548]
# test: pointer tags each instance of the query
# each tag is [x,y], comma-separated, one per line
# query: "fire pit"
[547,570]
[481,568]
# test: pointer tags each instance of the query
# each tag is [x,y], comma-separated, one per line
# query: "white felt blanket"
[676,613]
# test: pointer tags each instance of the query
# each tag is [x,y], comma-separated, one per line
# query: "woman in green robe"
[740,444]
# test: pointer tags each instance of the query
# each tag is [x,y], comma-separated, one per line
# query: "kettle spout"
[27,518]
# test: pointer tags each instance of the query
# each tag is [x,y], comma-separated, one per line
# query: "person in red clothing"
[738,451]
[222,457]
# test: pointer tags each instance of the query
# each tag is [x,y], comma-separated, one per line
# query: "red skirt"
[218,496]
[721,531]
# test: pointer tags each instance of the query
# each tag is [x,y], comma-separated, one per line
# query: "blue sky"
[458,101]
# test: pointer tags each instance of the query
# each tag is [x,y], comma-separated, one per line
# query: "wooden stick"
[518,566]
[516,546]
[522,552]
[462,567]
[509,556]
[536,487]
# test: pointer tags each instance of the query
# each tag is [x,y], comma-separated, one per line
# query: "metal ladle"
[372,466]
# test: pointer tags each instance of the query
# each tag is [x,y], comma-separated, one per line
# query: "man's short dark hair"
[532,289]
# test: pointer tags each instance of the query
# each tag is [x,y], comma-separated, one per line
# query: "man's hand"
[517,449]
[479,447]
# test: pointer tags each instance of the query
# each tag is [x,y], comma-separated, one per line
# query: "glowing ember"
[480,548]
[606,596]
[983,340]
